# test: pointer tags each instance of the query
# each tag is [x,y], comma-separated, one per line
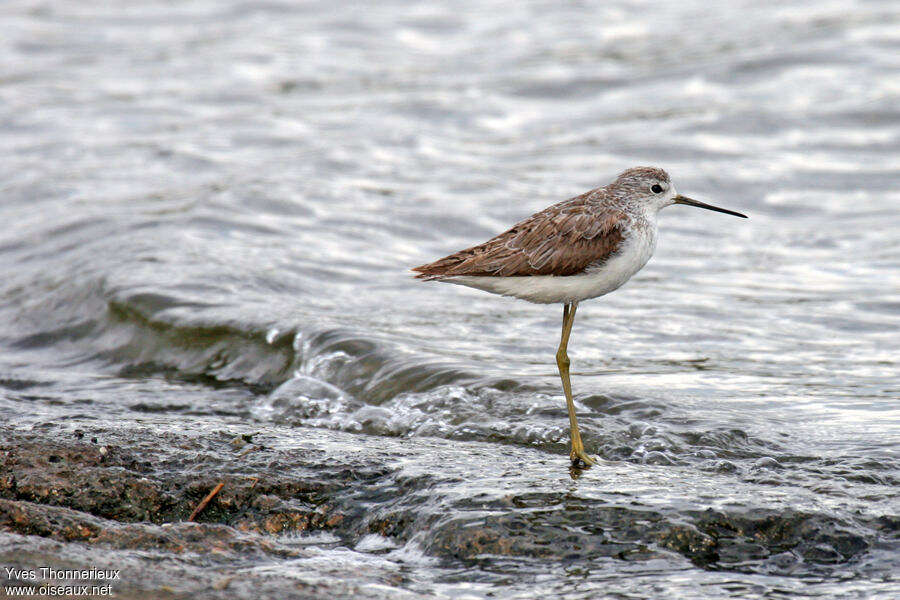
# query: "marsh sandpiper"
[578,249]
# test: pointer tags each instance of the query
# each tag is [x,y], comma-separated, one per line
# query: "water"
[211,209]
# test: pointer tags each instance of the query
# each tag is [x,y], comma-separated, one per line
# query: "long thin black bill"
[679,199]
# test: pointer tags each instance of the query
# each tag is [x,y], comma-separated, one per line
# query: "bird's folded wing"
[561,240]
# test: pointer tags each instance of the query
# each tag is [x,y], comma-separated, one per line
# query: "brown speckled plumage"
[563,239]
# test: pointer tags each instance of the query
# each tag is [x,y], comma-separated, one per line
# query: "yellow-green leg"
[562,361]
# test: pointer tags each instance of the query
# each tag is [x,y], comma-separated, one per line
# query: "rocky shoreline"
[79,495]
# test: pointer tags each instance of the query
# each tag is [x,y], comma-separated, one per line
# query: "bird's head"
[652,187]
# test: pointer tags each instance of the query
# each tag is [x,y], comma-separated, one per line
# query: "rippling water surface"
[210,209]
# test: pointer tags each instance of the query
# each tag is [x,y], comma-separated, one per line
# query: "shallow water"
[212,207]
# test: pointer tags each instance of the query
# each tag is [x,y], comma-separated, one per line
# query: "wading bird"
[578,249]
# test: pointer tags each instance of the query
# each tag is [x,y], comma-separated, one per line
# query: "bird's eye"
[656,188]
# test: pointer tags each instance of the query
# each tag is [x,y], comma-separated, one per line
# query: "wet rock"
[822,553]
[454,501]
[207,574]
[767,462]
[725,466]
[763,532]
[688,541]
[657,458]
[68,525]
[526,535]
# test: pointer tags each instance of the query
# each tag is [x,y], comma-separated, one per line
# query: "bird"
[575,250]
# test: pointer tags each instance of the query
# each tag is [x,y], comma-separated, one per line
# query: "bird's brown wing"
[564,239]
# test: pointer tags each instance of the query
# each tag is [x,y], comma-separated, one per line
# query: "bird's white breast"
[636,249]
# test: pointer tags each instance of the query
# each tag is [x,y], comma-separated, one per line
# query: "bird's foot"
[580,458]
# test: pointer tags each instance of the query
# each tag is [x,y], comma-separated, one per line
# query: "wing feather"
[564,239]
